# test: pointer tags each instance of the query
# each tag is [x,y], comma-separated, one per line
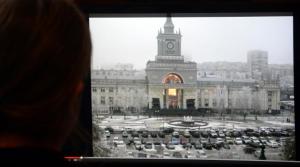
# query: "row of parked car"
[212,133]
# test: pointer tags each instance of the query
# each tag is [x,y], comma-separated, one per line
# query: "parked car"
[255,144]
[238,141]
[153,134]
[177,155]
[110,129]
[204,134]
[228,140]
[198,146]
[203,140]
[201,154]
[246,140]
[134,134]
[207,146]
[272,144]
[145,134]
[263,140]
[161,134]
[107,134]
[136,140]
[187,146]
[195,134]
[219,140]
[221,134]
[168,130]
[124,134]
[138,146]
[148,145]
[249,150]
[156,141]
[170,146]
[187,134]
[175,134]
[213,135]
[226,146]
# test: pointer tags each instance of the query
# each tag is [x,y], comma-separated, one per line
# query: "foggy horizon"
[204,39]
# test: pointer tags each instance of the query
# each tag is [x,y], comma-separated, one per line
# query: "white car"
[272,144]
[175,134]
[201,154]
[186,133]
[219,141]
[116,139]
[107,134]
[238,141]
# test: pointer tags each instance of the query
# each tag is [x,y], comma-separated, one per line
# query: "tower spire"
[169,26]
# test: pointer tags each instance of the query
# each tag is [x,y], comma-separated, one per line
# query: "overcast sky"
[204,39]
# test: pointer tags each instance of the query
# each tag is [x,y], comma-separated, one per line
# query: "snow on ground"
[155,123]
[280,123]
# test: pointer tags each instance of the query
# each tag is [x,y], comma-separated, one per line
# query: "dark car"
[253,144]
[248,131]
[153,134]
[217,146]
[168,130]
[110,129]
[195,134]
[148,145]
[161,134]
[177,155]
[124,134]
[204,134]
[145,134]
[134,134]
[226,146]
[187,145]
[207,146]
[249,150]
[156,142]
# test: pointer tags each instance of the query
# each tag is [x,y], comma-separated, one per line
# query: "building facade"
[169,82]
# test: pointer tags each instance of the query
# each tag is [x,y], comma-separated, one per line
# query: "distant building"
[170,82]
[258,64]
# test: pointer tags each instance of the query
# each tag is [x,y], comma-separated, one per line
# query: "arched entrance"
[173,93]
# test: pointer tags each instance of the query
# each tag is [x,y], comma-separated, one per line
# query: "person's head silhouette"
[45,52]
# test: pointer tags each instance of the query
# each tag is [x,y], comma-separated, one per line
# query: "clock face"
[170,45]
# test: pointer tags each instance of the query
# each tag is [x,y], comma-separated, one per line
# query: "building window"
[102,89]
[269,100]
[214,102]
[229,103]
[111,100]
[222,103]
[269,93]
[102,100]
[199,102]
[206,102]
[94,89]
[111,89]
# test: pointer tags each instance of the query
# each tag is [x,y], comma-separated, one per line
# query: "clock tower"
[171,82]
[169,43]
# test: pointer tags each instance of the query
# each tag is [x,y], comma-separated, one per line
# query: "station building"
[169,82]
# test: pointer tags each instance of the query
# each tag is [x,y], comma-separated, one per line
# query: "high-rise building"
[258,64]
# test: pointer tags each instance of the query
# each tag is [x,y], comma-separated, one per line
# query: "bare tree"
[255,101]
[220,100]
[242,102]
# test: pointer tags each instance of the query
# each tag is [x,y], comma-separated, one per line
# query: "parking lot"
[212,142]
